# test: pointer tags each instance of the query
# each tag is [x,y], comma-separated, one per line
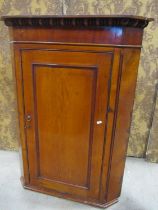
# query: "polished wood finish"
[75,90]
[109,36]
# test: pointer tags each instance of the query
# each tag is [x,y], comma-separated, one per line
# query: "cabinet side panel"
[21,113]
[124,106]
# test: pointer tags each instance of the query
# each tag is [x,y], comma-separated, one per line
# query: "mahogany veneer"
[76,78]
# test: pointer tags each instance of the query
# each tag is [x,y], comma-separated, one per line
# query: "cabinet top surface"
[77,21]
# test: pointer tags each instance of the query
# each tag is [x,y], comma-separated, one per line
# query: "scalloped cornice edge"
[76,21]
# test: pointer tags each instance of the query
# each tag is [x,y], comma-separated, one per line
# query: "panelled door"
[66,95]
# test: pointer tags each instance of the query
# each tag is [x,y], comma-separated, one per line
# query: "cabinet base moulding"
[66,196]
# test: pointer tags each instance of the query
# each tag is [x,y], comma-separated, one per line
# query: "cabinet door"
[65,96]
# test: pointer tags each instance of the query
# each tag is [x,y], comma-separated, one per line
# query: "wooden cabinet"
[76,79]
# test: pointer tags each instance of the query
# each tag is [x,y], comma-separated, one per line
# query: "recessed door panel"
[66,97]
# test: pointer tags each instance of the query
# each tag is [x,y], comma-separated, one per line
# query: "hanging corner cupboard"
[75,79]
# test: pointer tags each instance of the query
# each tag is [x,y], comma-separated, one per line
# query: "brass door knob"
[28,117]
